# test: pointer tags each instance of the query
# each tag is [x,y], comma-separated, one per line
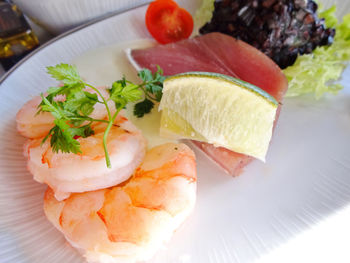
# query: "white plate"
[304,183]
[59,16]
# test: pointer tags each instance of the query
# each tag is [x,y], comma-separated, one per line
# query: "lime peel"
[218,109]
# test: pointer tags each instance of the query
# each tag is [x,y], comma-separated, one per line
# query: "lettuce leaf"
[318,72]
[204,13]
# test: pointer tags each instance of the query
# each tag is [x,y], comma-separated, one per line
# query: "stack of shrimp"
[123,214]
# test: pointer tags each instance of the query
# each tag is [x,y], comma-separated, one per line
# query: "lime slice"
[218,109]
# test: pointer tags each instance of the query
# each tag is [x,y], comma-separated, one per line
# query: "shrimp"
[68,173]
[32,125]
[131,221]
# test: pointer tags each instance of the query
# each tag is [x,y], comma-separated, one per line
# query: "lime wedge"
[218,109]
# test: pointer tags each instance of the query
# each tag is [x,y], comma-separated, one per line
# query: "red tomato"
[167,22]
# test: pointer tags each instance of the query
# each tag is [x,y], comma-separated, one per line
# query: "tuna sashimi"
[216,52]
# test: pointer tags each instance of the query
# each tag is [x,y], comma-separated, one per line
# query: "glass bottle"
[16,37]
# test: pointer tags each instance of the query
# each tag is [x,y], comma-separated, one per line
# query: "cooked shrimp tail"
[131,221]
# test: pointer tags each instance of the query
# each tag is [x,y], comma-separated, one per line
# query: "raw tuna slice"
[216,52]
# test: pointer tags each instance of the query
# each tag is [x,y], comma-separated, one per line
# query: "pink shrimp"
[131,221]
[32,125]
[69,173]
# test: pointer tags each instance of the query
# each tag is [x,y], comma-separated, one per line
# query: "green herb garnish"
[152,87]
[72,111]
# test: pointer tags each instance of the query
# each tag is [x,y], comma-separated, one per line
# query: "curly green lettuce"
[319,71]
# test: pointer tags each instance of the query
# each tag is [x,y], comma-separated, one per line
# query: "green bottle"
[16,36]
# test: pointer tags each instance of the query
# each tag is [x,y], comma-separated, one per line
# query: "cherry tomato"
[167,22]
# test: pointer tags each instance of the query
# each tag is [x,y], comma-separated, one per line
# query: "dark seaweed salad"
[281,29]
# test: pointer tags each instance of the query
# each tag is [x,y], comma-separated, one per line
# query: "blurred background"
[27,24]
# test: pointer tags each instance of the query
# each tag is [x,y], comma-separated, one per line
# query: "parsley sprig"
[71,105]
[152,87]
